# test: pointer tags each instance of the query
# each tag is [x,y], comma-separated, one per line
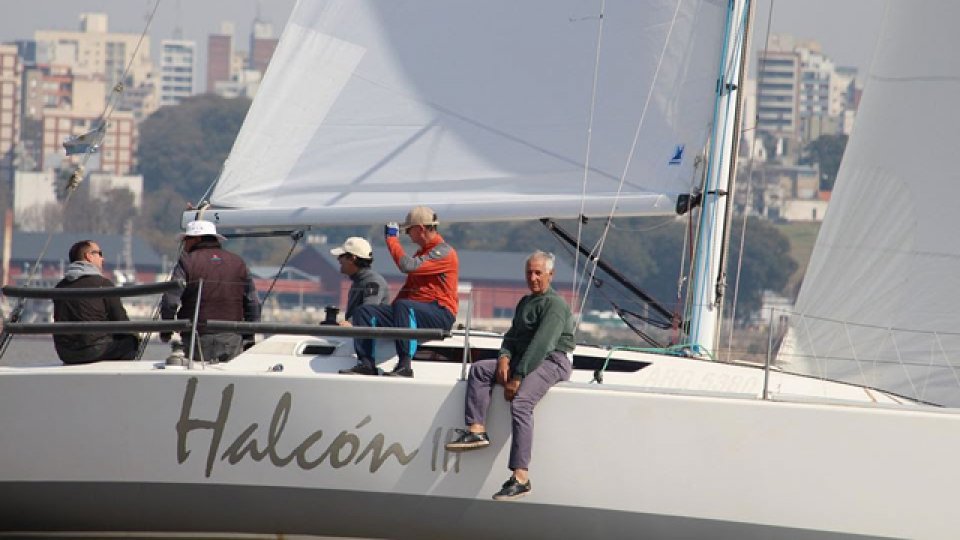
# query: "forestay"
[879,305]
[482,110]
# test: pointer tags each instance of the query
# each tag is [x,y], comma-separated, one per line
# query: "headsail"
[879,305]
[478,109]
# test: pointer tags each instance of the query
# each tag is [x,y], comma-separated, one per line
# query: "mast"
[709,279]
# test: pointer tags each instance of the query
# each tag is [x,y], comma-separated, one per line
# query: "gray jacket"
[368,287]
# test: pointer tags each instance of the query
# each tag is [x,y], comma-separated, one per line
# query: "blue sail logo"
[677,155]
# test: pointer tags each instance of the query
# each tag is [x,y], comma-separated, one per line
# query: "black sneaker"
[468,441]
[360,369]
[400,372]
[512,489]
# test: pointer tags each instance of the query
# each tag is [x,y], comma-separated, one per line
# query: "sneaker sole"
[511,497]
[461,447]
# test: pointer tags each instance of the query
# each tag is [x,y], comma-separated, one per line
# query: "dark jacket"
[367,287]
[84,347]
[541,324]
[227,294]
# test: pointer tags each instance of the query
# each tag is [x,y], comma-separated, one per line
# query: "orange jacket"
[432,272]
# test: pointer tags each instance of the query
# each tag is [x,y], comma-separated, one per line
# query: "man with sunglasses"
[428,298]
[86,271]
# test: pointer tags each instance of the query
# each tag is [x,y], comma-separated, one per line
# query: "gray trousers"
[555,367]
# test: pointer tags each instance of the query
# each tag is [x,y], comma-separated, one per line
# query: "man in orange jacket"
[428,298]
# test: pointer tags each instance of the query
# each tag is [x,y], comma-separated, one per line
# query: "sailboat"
[484,110]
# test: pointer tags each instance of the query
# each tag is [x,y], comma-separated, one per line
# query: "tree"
[183,147]
[161,213]
[827,151]
[767,265]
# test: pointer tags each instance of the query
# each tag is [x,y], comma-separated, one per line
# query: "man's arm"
[439,260]
[251,302]
[170,303]
[115,309]
[375,292]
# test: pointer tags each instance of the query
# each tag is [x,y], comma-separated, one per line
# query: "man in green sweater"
[533,357]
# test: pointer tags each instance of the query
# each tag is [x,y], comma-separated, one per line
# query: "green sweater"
[542,324]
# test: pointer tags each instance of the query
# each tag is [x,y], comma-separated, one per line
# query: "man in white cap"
[227,294]
[368,287]
[428,298]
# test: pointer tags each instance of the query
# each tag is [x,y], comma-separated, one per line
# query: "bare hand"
[510,389]
[503,370]
[345,323]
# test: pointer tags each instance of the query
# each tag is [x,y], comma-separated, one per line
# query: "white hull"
[307,451]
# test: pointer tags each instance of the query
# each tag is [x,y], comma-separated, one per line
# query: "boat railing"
[191,326]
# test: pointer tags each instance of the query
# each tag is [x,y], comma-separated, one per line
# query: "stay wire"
[633,147]
[295,236]
[586,161]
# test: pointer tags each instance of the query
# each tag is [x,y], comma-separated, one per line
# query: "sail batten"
[364,108]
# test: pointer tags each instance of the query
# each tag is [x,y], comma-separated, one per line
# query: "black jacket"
[83,347]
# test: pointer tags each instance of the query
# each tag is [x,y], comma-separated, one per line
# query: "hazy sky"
[847,29]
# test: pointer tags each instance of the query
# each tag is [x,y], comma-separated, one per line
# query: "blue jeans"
[401,314]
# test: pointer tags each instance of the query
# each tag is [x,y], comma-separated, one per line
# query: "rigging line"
[589,270]
[575,286]
[296,236]
[753,151]
[118,88]
[636,139]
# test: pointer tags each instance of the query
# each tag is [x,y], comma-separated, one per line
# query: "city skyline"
[846,29]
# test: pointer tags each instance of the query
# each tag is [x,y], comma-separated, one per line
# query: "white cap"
[356,246]
[201,228]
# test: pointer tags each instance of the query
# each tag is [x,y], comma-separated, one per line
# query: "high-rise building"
[262,45]
[46,86]
[95,53]
[176,70]
[11,73]
[801,94]
[219,56]
[777,99]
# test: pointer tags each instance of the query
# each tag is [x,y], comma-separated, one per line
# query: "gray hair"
[547,258]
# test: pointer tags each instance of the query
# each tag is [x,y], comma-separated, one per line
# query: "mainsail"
[879,305]
[487,110]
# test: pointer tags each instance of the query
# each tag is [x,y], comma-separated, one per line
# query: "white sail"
[888,254]
[486,116]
